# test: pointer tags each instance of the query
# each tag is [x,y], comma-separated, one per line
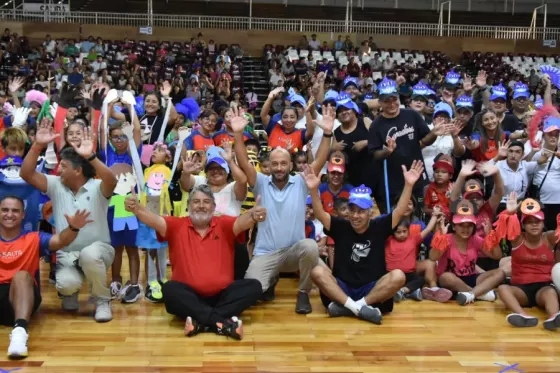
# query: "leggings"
[162,264]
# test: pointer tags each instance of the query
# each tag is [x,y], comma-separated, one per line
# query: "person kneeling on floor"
[202,289]
[359,284]
[20,251]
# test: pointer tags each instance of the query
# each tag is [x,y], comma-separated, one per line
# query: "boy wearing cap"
[359,282]
[334,187]
[497,103]
[520,101]
[437,193]
[464,112]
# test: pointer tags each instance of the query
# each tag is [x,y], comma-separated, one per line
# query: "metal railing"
[281,24]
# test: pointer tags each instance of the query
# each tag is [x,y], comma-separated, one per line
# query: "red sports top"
[531,265]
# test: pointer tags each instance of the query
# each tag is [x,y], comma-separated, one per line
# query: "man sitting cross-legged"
[359,282]
[202,289]
[19,265]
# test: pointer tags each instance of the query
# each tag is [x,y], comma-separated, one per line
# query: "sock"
[21,323]
[152,271]
[352,306]
[361,302]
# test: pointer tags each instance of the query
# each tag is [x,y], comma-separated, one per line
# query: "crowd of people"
[372,196]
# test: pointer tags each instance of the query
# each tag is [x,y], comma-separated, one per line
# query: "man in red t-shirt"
[202,289]
[19,265]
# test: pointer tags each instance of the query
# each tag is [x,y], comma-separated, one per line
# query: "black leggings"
[414,281]
[550,213]
[182,301]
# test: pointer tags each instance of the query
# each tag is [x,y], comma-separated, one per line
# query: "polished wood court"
[416,337]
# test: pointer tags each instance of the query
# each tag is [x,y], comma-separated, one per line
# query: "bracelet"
[73,229]
[329,135]
[92,157]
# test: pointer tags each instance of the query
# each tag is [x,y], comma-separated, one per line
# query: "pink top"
[456,262]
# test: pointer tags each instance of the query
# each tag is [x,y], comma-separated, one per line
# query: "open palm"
[45,133]
[86,148]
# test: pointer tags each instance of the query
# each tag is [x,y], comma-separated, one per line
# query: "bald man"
[281,245]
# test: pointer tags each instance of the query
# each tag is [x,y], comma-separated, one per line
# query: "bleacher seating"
[508,64]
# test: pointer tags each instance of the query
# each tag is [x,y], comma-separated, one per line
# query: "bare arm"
[62,239]
[244,222]
[243,158]
[29,172]
[318,209]
[430,227]
[410,178]
[146,216]
[240,187]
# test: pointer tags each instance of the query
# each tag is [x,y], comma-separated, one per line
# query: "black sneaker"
[269,295]
[370,314]
[133,293]
[231,328]
[303,306]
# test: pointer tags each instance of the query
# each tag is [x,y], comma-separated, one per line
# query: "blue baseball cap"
[443,107]
[452,79]
[387,88]
[465,102]
[361,197]
[539,103]
[551,124]
[344,100]
[498,92]
[350,81]
[520,90]
[297,99]
[420,90]
[214,155]
[11,161]
[331,94]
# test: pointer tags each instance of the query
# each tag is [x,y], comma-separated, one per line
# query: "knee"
[309,249]
[318,273]
[397,277]
[89,256]
[22,278]
[502,289]
[254,287]
[68,281]
[446,278]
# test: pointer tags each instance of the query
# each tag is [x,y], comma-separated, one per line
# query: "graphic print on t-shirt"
[360,250]
[394,133]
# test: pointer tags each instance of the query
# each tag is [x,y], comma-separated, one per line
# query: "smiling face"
[359,218]
[345,115]
[464,230]
[151,104]
[119,140]
[490,121]
[280,165]
[201,208]
[74,133]
[216,175]
[11,213]
[498,105]
[289,119]
[391,106]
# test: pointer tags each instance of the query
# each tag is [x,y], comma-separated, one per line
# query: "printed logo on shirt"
[12,254]
[435,197]
[405,131]
[360,250]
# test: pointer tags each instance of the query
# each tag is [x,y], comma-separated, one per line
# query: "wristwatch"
[92,157]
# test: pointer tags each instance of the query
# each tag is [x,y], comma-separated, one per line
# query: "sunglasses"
[431,103]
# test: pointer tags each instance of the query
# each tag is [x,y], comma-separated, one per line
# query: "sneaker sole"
[154,300]
[133,300]
[339,311]
[462,300]
[17,356]
[441,295]
[522,322]
[552,324]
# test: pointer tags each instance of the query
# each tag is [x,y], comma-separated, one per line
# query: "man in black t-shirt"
[398,135]
[359,282]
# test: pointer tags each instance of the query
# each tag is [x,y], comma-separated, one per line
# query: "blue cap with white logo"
[443,107]
[452,79]
[420,90]
[344,100]
[361,197]
[498,92]
[465,102]
[387,88]
[520,90]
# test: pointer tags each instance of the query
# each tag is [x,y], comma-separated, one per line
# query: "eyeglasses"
[431,103]
[119,138]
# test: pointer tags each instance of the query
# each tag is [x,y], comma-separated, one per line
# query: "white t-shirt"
[550,190]
[226,202]
[443,144]
[528,148]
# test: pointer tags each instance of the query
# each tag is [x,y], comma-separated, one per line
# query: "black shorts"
[469,280]
[7,316]
[531,291]
[414,281]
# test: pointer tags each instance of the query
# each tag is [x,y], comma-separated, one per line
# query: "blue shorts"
[125,235]
[357,294]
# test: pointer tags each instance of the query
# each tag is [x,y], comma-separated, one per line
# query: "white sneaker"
[488,297]
[70,303]
[103,311]
[116,288]
[18,343]
[465,297]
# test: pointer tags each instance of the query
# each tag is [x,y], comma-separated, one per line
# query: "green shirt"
[118,202]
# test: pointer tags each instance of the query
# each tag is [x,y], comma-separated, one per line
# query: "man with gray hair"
[202,289]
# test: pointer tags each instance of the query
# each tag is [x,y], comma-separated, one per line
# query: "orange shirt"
[435,197]
[22,254]
[204,263]
[292,141]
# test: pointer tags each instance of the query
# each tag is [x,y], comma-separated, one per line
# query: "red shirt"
[292,141]
[402,255]
[485,213]
[22,254]
[434,197]
[529,266]
[203,263]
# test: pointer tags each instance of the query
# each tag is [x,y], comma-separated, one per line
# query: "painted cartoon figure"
[122,218]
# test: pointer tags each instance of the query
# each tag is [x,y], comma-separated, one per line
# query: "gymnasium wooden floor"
[416,337]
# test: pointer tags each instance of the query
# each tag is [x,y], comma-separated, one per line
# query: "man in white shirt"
[49,45]
[314,44]
[99,64]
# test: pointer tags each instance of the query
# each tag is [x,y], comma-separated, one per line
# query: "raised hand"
[511,203]
[79,219]
[239,121]
[258,213]
[16,84]
[391,144]
[467,83]
[481,79]
[227,151]
[131,203]
[468,168]
[471,144]
[327,123]
[444,228]
[487,226]
[128,130]
[275,92]
[437,211]
[189,164]
[85,94]
[311,180]
[441,129]
[412,175]
[456,127]
[487,169]
[45,132]
[87,147]
[503,149]
[447,97]
[20,116]
[165,89]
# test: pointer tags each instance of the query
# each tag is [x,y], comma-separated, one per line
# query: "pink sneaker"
[437,294]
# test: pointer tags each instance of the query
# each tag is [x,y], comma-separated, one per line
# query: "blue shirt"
[113,157]
[285,221]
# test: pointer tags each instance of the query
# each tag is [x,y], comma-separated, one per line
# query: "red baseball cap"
[336,164]
[539,215]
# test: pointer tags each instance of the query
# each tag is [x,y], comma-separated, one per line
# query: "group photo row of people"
[447,194]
